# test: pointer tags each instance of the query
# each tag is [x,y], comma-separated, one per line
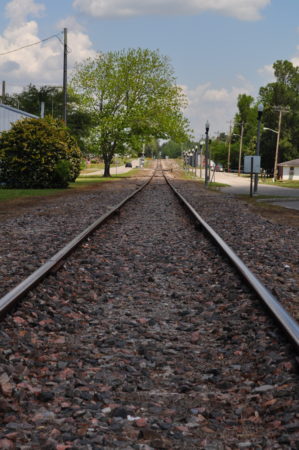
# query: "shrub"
[38,153]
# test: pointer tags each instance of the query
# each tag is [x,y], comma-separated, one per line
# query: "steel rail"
[9,300]
[289,325]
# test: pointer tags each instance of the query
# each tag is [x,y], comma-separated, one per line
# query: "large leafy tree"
[244,118]
[133,98]
[172,149]
[30,99]
[151,148]
[246,115]
[219,150]
[281,94]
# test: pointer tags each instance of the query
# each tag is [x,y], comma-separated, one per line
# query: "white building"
[289,170]
[9,115]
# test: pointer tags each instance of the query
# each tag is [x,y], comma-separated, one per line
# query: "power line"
[35,43]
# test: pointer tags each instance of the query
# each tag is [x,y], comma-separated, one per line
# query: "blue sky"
[218,48]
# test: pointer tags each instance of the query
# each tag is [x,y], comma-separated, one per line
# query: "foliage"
[133,98]
[247,115]
[78,122]
[152,148]
[218,151]
[280,94]
[172,149]
[283,93]
[38,153]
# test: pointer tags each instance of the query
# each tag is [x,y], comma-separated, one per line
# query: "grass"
[12,194]
[89,170]
[81,182]
[215,185]
[212,184]
[287,183]
[99,166]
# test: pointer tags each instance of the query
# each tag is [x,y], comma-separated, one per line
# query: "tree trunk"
[108,156]
[107,168]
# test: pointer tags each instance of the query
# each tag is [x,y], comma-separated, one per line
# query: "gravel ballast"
[146,338]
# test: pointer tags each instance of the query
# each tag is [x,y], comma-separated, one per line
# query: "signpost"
[252,165]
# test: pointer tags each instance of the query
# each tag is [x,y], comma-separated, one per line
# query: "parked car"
[128,164]
[219,167]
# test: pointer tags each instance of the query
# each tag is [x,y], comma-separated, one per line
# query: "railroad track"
[283,318]
[145,335]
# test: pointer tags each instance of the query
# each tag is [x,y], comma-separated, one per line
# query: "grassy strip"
[95,167]
[12,194]
[288,183]
[212,184]
[81,182]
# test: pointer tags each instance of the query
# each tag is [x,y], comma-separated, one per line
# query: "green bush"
[38,153]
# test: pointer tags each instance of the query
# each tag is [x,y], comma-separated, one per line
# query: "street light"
[201,144]
[191,157]
[188,159]
[207,155]
[229,145]
[195,159]
[260,110]
[185,159]
[270,129]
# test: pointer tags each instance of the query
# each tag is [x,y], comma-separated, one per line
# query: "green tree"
[151,148]
[281,94]
[218,149]
[78,122]
[38,153]
[172,149]
[133,98]
[245,122]
[30,99]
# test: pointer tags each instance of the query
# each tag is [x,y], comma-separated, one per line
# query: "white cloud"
[18,10]
[240,9]
[218,95]
[79,44]
[295,59]
[216,105]
[42,63]
[267,73]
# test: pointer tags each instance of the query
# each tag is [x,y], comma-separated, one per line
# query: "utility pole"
[240,149]
[281,110]
[3,92]
[207,158]
[260,109]
[42,110]
[65,76]
[229,145]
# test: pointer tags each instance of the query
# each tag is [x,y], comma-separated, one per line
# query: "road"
[114,170]
[241,185]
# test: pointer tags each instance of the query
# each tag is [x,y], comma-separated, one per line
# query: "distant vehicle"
[128,164]
[219,168]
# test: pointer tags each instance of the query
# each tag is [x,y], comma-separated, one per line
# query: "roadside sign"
[252,164]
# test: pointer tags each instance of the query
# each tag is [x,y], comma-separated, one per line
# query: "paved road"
[241,185]
[114,170]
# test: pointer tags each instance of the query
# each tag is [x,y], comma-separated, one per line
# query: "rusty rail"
[285,320]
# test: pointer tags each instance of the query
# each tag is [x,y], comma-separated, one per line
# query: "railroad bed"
[146,338]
